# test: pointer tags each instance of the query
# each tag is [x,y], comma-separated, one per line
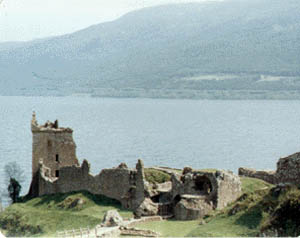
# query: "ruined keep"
[190,195]
[53,145]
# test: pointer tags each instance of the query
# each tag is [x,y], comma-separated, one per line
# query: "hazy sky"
[30,19]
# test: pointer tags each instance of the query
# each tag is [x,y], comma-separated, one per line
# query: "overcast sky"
[22,20]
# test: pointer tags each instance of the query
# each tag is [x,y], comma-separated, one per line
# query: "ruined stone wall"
[116,183]
[140,187]
[229,188]
[72,178]
[196,193]
[268,176]
[186,184]
[123,184]
[288,169]
[217,188]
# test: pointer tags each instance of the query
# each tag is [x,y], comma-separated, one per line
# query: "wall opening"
[57,158]
[49,144]
[57,173]
[176,199]
[156,198]
[203,184]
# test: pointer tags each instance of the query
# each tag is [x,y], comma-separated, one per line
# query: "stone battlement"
[48,126]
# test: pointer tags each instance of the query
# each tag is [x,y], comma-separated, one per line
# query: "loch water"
[174,133]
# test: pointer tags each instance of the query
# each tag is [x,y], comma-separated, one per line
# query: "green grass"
[170,228]
[156,176]
[47,214]
[221,225]
[244,222]
[281,211]
[252,184]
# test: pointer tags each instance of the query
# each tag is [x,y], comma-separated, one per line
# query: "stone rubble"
[112,218]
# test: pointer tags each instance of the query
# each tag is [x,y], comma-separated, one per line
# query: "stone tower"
[53,146]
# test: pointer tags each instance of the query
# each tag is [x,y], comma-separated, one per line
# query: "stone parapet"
[288,171]
[48,126]
[266,175]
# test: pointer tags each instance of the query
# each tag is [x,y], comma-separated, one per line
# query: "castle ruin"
[190,195]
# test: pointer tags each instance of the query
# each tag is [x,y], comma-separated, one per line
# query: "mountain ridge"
[161,47]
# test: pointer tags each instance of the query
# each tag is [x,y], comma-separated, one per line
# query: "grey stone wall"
[268,176]
[228,188]
[123,184]
[72,178]
[218,188]
[196,193]
[288,171]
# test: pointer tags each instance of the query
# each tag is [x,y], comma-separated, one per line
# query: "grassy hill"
[45,215]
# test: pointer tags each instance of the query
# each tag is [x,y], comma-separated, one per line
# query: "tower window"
[57,158]
[57,173]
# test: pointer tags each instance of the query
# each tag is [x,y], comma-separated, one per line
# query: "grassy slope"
[53,213]
[219,223]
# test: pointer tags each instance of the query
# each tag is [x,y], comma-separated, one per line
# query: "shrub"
[16,225]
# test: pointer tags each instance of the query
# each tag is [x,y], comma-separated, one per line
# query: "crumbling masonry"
[190,195]
[288,171]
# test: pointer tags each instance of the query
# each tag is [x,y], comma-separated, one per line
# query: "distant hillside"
[176,50]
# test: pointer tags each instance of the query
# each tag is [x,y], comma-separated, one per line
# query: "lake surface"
[174,133]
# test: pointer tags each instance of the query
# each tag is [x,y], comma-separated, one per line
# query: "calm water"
[175,133]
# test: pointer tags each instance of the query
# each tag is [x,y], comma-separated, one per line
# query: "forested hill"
[251,45]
